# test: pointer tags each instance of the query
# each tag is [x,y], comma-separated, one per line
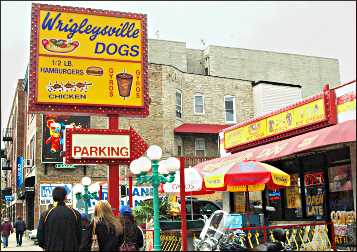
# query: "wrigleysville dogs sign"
[88,61]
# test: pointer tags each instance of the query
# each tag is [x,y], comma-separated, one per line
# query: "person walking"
[105,231]
[20,227]
[60,228]
[85,232]
[6,230]
[133,235]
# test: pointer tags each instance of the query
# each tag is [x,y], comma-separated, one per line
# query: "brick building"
[194,94]
[14,141]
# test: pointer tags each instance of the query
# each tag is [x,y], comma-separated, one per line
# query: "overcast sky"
[324,29]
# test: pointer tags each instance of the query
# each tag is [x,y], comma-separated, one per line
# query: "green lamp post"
[162,172]
[82,191]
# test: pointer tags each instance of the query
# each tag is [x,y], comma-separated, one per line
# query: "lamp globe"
[154,152]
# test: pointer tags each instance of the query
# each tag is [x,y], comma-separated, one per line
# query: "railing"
[7,134]
[169,241]
[192,161]
[300,237]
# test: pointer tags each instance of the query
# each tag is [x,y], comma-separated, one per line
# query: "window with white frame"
[229,109]
[200,147]
[178,103]
[199,104]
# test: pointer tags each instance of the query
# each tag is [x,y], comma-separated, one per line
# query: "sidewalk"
[27,244]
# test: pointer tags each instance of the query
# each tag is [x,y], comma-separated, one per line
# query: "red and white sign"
[91,146]
[100,146]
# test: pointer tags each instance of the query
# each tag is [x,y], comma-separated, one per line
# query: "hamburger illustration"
[96,71]
[59,45]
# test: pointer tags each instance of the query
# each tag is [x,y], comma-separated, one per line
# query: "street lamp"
[90,192]
[166,168]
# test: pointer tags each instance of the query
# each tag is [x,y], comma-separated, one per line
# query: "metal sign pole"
[113,176]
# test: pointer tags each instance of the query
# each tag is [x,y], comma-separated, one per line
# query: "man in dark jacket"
[6,229]
[20,227]
[85,232]
[59,228]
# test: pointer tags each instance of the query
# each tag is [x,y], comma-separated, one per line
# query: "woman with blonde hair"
[105,232]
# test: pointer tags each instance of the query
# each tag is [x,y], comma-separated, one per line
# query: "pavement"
[27,244]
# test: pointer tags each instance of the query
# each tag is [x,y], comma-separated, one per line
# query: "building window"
[178,104]
[206,71]
[229,109]
[179,150]
[341,189]
[199,104]
[200,147]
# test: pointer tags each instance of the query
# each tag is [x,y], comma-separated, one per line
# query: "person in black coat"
[108,228]
[132,232]
[20,227]
[85,232]
[60,228]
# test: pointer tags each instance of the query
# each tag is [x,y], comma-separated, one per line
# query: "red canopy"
[339,133]
[200,128]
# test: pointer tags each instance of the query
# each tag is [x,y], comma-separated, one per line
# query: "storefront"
[319,154]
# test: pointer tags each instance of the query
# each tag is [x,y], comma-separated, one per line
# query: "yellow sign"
[292,193]
[245,134]
[246,188]
[239,202]
[93,59]
[214,181]
[295,118]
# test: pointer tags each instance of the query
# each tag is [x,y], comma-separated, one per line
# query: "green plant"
[144,211]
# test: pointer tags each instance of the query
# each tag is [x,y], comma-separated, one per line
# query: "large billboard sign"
[53,134]
[88,61]
[314,112]
[92,146]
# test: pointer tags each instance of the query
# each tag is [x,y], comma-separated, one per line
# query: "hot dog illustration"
[59,45]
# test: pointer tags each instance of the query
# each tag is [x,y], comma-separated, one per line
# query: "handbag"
[95,244]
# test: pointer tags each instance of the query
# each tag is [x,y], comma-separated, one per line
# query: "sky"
[324,29]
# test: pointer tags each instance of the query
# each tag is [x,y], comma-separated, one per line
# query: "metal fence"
[300,237]
[319,236]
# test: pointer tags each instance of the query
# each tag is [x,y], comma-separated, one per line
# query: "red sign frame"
[35,107]
[329,98]
[137,146]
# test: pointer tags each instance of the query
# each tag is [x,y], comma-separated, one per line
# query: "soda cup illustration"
[124,81]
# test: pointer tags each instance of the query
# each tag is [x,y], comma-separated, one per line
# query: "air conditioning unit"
[28,162]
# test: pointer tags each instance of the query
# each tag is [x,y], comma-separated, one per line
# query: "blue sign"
[20,171]
[8,198]
[46,193]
